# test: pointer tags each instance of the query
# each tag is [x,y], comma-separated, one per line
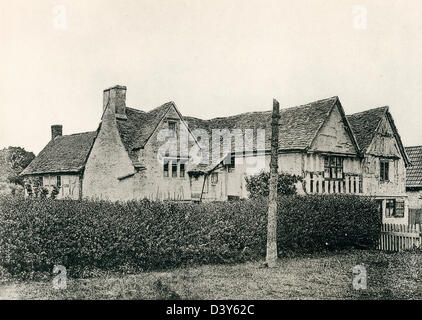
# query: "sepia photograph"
[211,155]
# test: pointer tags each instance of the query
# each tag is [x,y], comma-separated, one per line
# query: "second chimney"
[115,98]
[56,130]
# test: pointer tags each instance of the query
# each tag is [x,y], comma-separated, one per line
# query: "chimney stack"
[115,98]
[56,130]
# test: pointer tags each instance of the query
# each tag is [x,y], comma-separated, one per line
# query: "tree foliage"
[18,159]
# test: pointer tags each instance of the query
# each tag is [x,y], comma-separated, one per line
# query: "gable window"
[333,167]
[174,169]
[182,170]
[172,128]
[384,170]
[59,181]
[390,207]
[166,168]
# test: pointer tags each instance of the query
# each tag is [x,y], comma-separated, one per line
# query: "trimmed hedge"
[36,234]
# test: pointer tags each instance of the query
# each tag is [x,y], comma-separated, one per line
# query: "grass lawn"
[322,276]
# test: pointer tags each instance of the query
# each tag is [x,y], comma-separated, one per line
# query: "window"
[59,181]
[384,170]
[214,178]
[182,170]
[390,207]
[174,169]
[311,183]
[333,167]
[399,209]
[172,127]
[166,168]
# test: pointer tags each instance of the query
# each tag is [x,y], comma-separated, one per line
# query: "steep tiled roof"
[364,125]
[136,130]
[414,173]
[63,154]
[297,125]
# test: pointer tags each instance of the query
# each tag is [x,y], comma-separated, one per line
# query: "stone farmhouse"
[414,177]
[357,154]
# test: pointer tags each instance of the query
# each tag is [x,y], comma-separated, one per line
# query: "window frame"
[59,181]
[174,166]
[214,178]
[166,173]
[171,124]
[333,167]
[388,208]
[384,174]
[182,173]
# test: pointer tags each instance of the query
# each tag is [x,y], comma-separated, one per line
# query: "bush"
[258,185]
[36,234]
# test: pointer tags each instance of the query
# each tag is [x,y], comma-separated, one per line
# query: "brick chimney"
[115,98]
[56,130]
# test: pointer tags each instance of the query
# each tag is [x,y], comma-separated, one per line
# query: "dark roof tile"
[63,154]
[414,172]
[364,125]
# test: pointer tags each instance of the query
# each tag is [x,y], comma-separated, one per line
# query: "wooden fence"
[398,237]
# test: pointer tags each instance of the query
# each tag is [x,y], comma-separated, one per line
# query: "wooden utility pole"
[271,259]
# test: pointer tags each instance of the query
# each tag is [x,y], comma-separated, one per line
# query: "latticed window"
[399,209]
[333,167]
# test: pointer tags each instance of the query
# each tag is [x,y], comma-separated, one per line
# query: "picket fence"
[398,237]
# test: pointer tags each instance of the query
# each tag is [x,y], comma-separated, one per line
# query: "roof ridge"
[137,110]
[160,106]
[74,134]
[419,146]
[368,110]
[268,111]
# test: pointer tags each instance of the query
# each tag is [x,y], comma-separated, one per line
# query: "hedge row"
[143,235]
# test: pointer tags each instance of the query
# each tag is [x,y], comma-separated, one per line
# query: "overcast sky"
[212,57]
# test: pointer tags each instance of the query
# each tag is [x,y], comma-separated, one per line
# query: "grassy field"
[323,276]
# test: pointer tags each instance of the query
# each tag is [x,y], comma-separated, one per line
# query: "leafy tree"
[18,159]
[258,185]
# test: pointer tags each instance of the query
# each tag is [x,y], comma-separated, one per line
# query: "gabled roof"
[136,130]
[297,125]
[414,173]
[365,124]
[64,154]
